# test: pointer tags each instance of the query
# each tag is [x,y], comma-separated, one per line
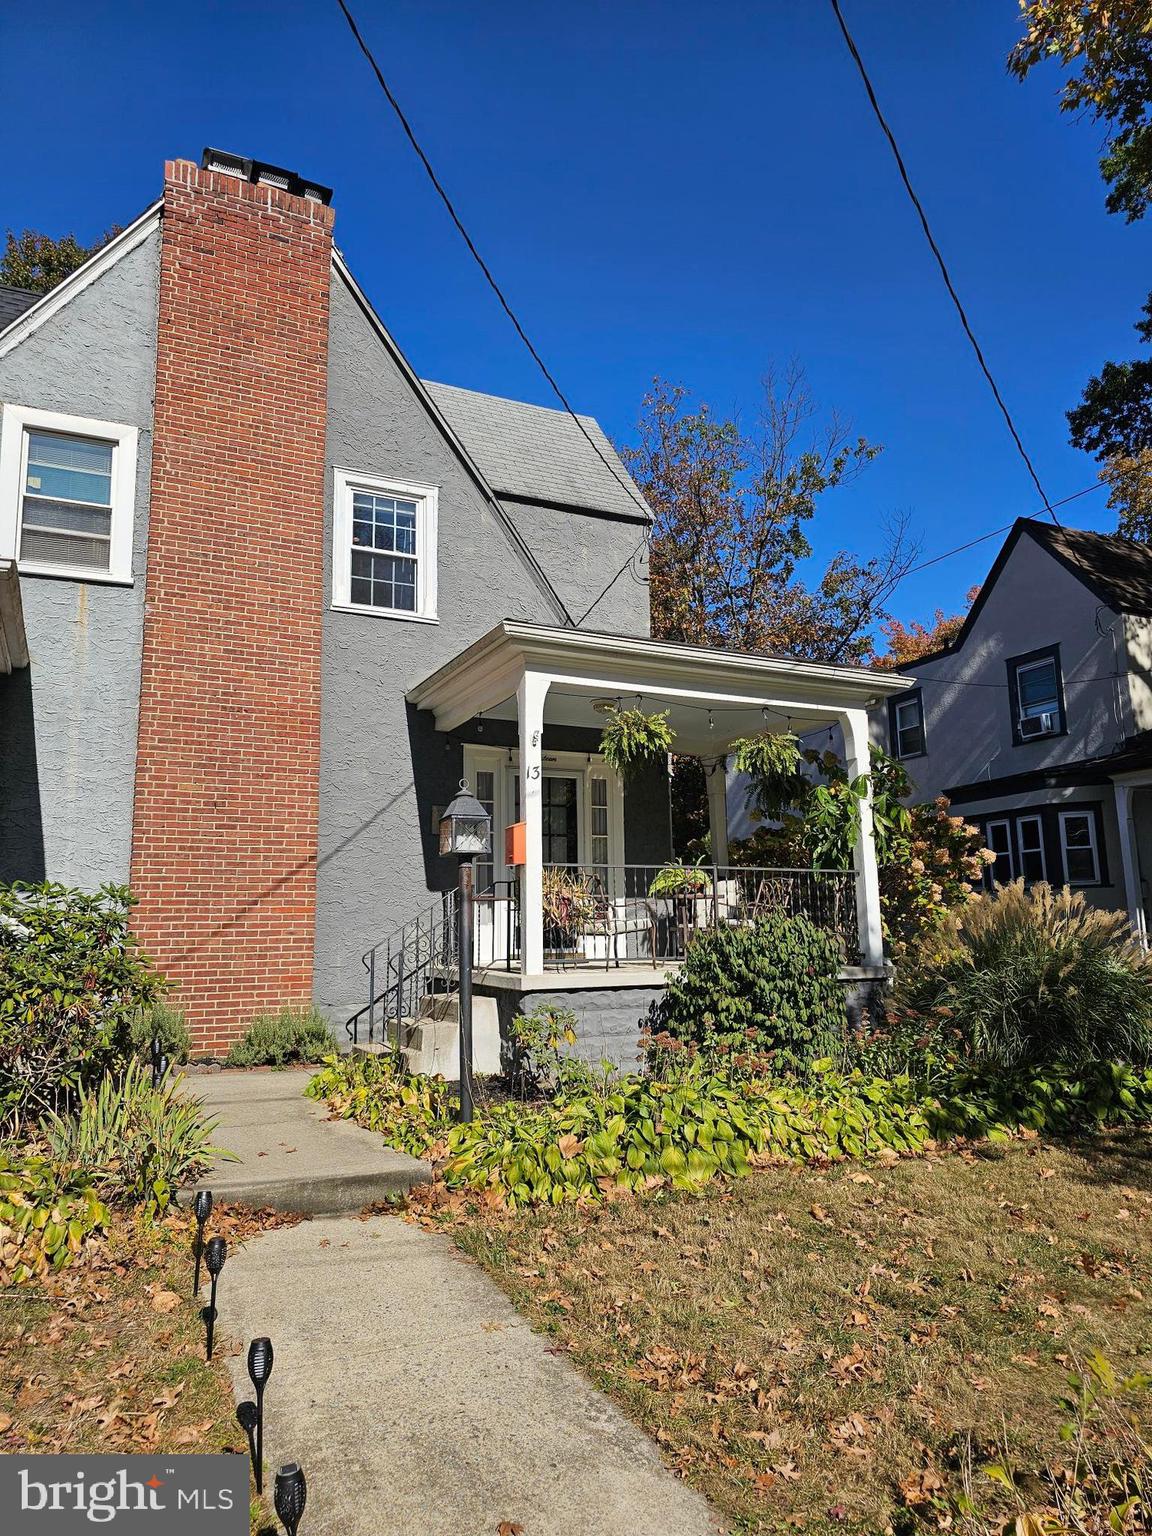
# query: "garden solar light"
[246,1417]
[215,1252]
[291,1496]
[201,1209]
[260,1360]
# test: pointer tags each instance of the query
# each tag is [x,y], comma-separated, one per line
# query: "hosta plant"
[47,1213]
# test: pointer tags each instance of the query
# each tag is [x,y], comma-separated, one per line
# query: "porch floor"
[578,977]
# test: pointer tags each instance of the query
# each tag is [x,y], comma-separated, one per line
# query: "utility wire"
[935,249]
[984,537]
[480,262]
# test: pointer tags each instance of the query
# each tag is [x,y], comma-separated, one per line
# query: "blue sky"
[662,188]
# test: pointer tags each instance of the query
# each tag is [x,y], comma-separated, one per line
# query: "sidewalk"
[290,1156]
[417,1399]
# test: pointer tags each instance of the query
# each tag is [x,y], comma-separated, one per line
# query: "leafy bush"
[701,1122]
[47,1212]
[274,1039]
[769,987]
[1033,975]
[411,1112]
[138,1143]
[167,1025]
[72,982]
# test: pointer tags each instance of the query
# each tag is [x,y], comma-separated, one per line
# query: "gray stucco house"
[267,597]
[1037,721]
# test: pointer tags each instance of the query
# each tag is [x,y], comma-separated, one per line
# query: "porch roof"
[588,667]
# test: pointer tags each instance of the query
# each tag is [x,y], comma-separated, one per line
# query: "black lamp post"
[260,1359]
[466,832]
[291,1496]
[215,1252]
[201,1209]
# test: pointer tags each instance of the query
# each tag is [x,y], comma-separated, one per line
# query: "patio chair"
[613,918]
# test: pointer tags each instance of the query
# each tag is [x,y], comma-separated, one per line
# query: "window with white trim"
[1030,848]
[384,546]
[998,835]
[598,820]
[67,489]
[1078,848]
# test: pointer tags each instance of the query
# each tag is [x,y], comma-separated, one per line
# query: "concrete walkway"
[418,1400]
[289,1155]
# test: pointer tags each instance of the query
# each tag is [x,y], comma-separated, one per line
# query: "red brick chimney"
[227,771]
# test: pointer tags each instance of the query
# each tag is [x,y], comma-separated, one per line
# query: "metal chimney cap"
[262,173]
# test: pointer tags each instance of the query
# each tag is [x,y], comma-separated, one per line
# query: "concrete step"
[287,1154]
[431,1042]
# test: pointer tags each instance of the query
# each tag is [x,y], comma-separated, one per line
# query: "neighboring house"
[266,597]
[1037,721]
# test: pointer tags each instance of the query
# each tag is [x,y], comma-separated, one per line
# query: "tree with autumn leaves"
[1105,49]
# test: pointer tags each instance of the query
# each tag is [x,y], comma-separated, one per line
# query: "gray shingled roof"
[13,303]
[1116,569]
[536,453]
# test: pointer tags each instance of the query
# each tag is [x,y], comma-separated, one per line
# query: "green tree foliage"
[768,988]
[1105,47]
[38,262]
[732,509]
[72,984]
[1030,976]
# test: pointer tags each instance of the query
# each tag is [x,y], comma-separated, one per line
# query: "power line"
[480,262]
[984,537]
[935,249]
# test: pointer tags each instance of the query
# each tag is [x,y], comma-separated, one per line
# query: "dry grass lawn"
[816,1348]
[109,1355]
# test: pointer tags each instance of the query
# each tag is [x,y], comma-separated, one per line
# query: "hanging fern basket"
[632,739]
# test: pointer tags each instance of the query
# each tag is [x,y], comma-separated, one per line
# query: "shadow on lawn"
[1114,1157]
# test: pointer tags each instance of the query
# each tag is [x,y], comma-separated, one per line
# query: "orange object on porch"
[515,844]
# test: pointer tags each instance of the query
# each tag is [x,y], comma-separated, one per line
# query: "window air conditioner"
[1038,725]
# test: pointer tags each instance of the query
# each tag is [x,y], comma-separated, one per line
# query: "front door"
[561,819]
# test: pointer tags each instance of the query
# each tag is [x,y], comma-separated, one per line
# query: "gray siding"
[68,742]
[1036,602]
[383,766]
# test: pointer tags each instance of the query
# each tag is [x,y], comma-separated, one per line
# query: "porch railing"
[643,914]
[417,961]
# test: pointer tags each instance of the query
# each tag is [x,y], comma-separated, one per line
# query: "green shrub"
[1055,1099]
[166,1024]
[275,1039]
[139,1143]
[72,982]
[47,1212]
[767,988]
[1034,975]
[411,1112]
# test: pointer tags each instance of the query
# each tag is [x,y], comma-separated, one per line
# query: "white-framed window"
[908,725]
[1030,860]
[384,546]
[998,835]
[1078,848]
[67,491]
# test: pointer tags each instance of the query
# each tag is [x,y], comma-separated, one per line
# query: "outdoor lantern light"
[246,1416]
[291,1496]
[215,1252]
[466,831]
[201,1209]
[260,1359]
[465,827]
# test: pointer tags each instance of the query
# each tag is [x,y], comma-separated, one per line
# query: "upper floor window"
[66,493]
[384,546]
[1036,695]
[907,725]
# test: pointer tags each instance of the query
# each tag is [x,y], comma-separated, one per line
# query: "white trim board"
[83,277]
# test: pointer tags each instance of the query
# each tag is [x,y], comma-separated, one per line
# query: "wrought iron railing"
[417,961]
[646,913]
[594,916]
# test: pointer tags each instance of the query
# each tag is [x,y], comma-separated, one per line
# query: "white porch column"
[1130,858]
[530,696]
[858,761]
[717,780]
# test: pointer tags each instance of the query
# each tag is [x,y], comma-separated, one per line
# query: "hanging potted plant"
[631,739]
[775,768]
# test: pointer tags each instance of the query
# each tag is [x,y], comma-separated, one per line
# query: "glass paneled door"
[561,819]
